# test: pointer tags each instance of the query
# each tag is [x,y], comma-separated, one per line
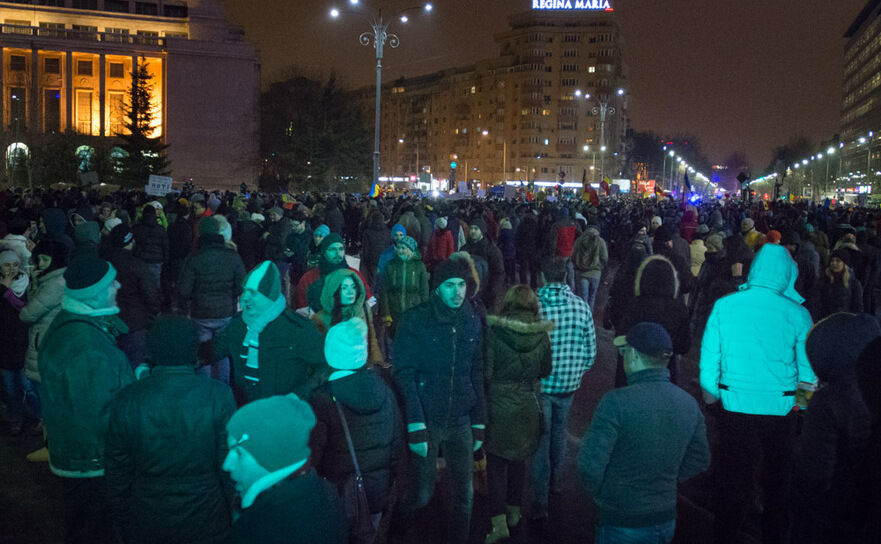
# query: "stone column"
[34,94]
[102,89]
[68,87]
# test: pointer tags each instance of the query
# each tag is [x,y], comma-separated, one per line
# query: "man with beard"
[332,253]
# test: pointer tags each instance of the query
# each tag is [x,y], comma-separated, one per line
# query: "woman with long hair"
[343,297]
[839,289]
[518,356]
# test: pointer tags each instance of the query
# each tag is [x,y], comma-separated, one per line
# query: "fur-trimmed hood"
[516,325]
[521,332]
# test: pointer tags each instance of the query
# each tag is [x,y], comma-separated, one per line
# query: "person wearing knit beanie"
[714,243]
[321,231]
[173,341]
[267,436]
[409,243]
[92,281]
[398,232]
[261,287]
[479,223]
[208,226]
[345,347]
[111,223]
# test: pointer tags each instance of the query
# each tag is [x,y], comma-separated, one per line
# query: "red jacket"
[440,247]
[566,235]
[310,277]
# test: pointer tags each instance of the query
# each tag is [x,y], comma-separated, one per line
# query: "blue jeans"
[20,396]
[587,289]
[207,329]
[661,533]
[457,443]
[547,462]
[155,270]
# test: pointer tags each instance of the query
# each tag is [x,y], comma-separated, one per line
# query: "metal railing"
[83,35]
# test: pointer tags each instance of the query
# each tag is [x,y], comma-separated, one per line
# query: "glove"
[479,434]
[417,438]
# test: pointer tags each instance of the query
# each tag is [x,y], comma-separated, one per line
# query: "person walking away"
[443,392]
[589,257]
[164,477]
[274,349]
[371,415]
[753,238]
[374,240]
[209,286]
[527,249]
[507,245]
[573,351]
[835,432]
[635,487]
[151,244]
[283,500]
[479,245]
[518,356]
[756,383]
[138,298]
[656,299]
[275,236]
[81,370]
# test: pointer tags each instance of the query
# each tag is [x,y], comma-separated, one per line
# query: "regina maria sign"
[573,5]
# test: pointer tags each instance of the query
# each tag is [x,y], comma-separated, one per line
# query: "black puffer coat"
[138,296]
[151,240]
[375,425]
[164,474]
[518,356]
[211,279]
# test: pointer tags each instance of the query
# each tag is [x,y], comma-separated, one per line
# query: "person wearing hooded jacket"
[753,360]
[518,356]
[834,434]
[404,284]
[656,300]
[480,245]
[344,297]
[589,257]
[372,416]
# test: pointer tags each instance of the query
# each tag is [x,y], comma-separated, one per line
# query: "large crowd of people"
[223,367]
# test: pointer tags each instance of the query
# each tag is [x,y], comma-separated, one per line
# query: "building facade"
[861,99]
[552,106]
[66,66]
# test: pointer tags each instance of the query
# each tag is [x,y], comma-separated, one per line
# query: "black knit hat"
[332,238]
[173,341]
[841,254]
[453,268]
[208,226]
[86,276]
[120,236]
[479,223]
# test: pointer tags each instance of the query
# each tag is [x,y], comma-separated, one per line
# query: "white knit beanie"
[345,347]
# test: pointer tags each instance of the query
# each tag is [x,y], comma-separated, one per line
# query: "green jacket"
[81,369]
[291,356]
[518,356]
[404,285]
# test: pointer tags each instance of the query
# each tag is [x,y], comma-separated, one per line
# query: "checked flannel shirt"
[573,340]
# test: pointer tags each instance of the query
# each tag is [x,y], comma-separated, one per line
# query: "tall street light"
[602,108]
[378,38]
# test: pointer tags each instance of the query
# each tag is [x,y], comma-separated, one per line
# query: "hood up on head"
[773,268]
[656,277]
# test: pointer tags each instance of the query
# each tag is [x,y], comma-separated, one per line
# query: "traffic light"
[452,173]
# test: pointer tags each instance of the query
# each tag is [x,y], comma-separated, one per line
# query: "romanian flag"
[687,183]
[606,185]
[375,191]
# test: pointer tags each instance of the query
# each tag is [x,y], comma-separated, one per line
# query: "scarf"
[75,306]
[252,336]
[19,285]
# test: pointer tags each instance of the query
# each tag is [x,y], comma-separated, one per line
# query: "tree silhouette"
[146,154]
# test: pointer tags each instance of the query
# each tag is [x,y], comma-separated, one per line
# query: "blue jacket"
[439,363]
[753,350]
[643,440]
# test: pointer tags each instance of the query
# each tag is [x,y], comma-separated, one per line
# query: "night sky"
[739,74]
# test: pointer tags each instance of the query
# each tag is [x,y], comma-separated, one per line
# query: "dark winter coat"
[518,356]
[291,356]
[333,218]
[180,239]
[301,509]
[656,300]
[440,247]
[836,430]
[247,239]
[278,234]
[138,295]
[55,221]
[376,428]
[15,333]
[164,474]
[211,279]
[527,237]
[833,296]
[446,381]
[712,283]
[493,288]
[507,244]
[298,247]
[81,370]
[374,240]
[151,241]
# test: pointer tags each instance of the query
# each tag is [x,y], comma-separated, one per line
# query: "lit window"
[473,90]
[592,69]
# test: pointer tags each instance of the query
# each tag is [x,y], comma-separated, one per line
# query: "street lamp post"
[378,38]
[603,108]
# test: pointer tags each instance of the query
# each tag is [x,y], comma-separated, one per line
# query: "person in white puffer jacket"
[753,359]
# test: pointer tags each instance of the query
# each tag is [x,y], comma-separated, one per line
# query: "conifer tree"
[145,154]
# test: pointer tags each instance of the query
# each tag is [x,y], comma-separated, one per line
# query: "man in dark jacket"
[274,350]
[371,413]
[836,429]
[296,248]
[81,369]
[151,242]
[283,499]
[443,392]
[481,246]
[277,229]
[527,249]
[211,281]
[164,459]
[634,484]
[180,243]
[138,296]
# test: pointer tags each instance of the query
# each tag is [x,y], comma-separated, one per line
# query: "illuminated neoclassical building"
[66,65]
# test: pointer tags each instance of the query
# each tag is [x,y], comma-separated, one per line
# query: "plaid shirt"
[573,340]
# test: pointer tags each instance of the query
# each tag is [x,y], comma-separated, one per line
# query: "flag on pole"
[606,185]
[375,191]
[687,183]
